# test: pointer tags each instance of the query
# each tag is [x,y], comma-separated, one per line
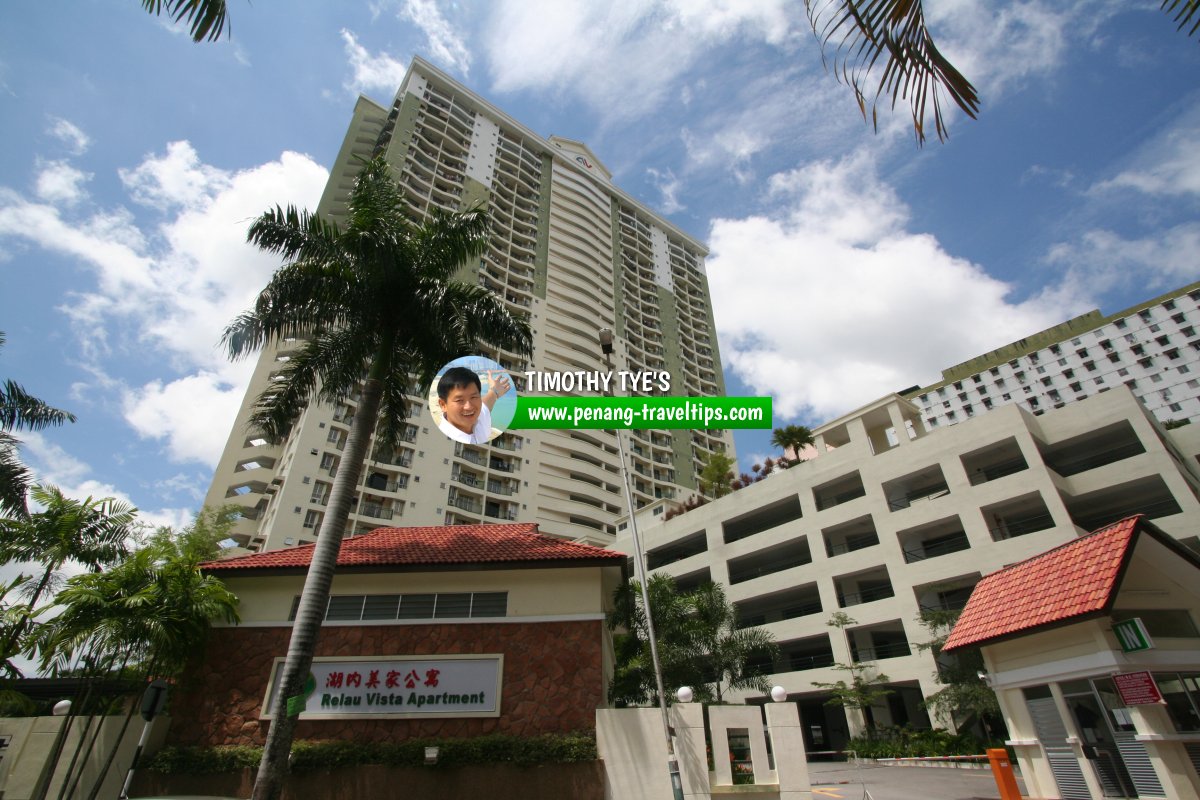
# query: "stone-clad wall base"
[581,781]
[553,681]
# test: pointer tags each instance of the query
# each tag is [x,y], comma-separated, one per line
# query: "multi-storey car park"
[880,526]
[1153,348]
[569,249]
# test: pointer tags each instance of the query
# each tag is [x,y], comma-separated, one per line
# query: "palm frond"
[915,70]
[14,478]
[21,410]
[1185,12]
[295,235]
[206,18]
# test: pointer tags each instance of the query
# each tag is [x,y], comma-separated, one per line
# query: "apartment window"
[1082,352]
[1175,407]
[999,383]
[1172,354]
[1163,340]
[311,518]
[1138,350]
[1169,305]
[970,411]
[946,404]
[1033,402]
[1075,342]
[1062,362]
[931,422]
[1034,358]
[1047,381]
[1106,344]
[1145,314]
[1021,377]
[1132,384]
[1076,387]
[1099,380]
[1193,384]
[1013,363]
[958,386]
[994,370]
[1189,331]
[1068,373]
[987,402]
[1090,366]
[977,378]
[950,415]
[1121,324]
[1146,363]
[1005,397]
[1178,319]
[1156,378]
[1122,372]
[1155,328]
[1055,349]
[962,397]
[1114,358]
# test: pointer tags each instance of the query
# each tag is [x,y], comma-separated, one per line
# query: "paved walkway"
[849,782]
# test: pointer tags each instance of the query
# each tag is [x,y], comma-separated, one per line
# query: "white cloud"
[446,48]
[69,134]
[1103,261]
[833,303]
[192,414]
[59,182]
[1168,164]
[165,294]
[380,72]
[54,466]
[174,179]
[669,186]
[599,50]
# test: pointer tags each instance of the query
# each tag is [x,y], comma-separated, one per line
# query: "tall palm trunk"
[315,597]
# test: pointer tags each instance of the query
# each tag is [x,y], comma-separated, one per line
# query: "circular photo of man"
[472,400]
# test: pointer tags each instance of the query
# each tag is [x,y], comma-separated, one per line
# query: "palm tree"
[90,532]
[915,69]
[376,299]
[733,657]
[20,410]
[206,17]
[791,439]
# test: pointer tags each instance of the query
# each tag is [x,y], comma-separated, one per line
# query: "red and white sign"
[1137,689]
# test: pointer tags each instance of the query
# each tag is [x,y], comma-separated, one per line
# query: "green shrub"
[917,743]
[310,756]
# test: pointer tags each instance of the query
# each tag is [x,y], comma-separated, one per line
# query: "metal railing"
[1074,466]
[876,652]
[825,501]
[917,495]
[1019,526]
[955,545]
[864,596]
[852,544]
[372,510]
[741,575]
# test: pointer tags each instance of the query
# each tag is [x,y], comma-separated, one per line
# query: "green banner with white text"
[642,412]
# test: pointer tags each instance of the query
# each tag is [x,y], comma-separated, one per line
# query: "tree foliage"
[791,439]
[19,410]
[206,19]
[699,644]
[863,688]
[964,697]
[716,475]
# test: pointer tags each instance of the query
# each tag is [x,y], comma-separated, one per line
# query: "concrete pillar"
[691,749]
[787,743]
[1170,759]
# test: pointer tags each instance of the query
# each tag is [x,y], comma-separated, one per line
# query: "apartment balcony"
[1092,450]
[1149,496]
[762,519]
[857,534]
[932,540]
[798,655]
[662,556]
[994,462]
[374,510]
[770,560]
[1017,517]
[799,602]
[467,479]
[466,504]
[917,487]
[946,594]
[838,491]
[863,587]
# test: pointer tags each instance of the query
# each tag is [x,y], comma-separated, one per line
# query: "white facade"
[1153,348]
[570,250]
[881,526]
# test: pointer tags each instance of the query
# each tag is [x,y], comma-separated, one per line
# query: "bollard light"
[61,708]
[685,694]
[778,694]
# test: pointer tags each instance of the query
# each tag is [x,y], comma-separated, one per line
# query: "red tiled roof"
[1071,581]
[434,545]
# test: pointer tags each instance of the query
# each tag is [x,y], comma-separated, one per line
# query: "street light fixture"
[639,565]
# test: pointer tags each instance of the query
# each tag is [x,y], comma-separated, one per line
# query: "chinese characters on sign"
[402,687]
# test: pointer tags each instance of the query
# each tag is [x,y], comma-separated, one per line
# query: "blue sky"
[845,263]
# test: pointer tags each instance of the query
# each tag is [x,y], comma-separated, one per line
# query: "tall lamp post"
[639,565]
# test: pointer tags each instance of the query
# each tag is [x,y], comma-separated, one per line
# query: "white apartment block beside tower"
[571,250]
[1153,348]
[880,526]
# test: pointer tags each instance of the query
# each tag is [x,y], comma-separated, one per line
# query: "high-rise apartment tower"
[570,250]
